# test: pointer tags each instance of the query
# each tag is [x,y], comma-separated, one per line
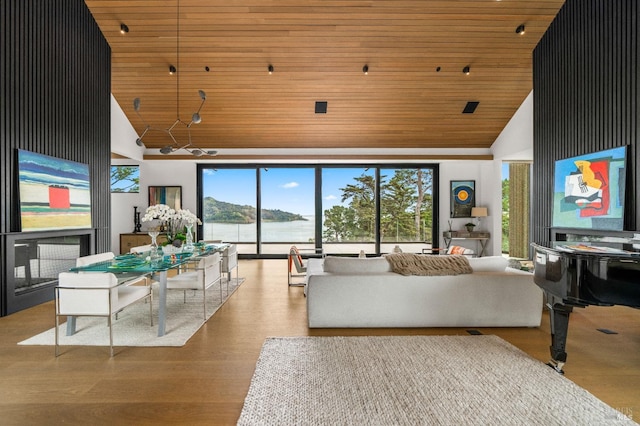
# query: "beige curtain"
[519,187]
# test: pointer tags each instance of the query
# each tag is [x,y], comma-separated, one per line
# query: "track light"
[172,69]
[270,68]
[124,29]
[466,70]
[365,69]
[520,29]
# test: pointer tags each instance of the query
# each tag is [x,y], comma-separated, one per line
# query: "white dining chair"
[140,249]
[202,277]
[95,295]
[230,262]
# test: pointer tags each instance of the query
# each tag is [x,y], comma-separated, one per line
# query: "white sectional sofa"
[352,293]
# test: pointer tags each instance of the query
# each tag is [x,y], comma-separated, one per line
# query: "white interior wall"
[514,143]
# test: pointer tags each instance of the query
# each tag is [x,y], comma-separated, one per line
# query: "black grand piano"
[578,275]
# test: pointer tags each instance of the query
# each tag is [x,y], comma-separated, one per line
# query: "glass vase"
[188,245]
[154,255]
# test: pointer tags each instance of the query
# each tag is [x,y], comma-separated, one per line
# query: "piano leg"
[559,317]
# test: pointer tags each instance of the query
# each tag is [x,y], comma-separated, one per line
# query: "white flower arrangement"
[175,221]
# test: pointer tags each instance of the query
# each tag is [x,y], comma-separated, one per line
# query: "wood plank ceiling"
[412,97]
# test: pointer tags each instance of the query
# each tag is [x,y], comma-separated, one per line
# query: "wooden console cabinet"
[137,239]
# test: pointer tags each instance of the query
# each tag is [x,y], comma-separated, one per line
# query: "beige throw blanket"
[416,264]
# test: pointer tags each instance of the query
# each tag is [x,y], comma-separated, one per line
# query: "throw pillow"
[488,264]
[354,265]
[459,250]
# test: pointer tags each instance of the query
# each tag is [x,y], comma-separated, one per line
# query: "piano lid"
[588,274]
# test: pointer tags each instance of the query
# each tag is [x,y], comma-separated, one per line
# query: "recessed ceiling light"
[520,29]
[466,70]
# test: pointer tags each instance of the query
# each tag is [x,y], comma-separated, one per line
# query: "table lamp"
[479,212]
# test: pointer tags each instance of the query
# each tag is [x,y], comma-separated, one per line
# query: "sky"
[287,189]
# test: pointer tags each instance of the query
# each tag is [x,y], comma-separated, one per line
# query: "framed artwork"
[125,179]
[589,190]
[54,193]
[169,195]
[463,197]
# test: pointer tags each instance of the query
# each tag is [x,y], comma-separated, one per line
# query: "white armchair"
[95,295]
[206,274]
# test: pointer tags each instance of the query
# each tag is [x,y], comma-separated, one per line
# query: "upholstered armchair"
[95,295]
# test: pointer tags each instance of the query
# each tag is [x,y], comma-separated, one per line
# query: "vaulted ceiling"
[413,95]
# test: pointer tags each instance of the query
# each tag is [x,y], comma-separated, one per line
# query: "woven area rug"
[132,328]
[413,380]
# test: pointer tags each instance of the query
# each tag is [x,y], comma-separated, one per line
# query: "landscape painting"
[589,191]
[54,193]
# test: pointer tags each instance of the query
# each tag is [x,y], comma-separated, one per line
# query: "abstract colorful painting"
[54,193]
[589,191]
[463,197]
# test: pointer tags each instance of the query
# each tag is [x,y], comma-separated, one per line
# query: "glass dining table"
[131,265]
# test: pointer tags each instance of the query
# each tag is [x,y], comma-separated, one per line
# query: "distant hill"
[219,211]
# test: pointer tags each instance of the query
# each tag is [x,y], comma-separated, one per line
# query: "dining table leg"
[162,303]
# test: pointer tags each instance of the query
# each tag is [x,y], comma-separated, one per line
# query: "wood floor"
[205,381]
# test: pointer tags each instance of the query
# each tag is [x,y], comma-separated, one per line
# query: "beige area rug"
[413,380]
[132,328]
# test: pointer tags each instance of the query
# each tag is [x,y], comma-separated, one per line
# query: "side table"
[480,237]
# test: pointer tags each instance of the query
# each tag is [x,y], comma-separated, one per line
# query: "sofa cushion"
[354,265]
[488,264]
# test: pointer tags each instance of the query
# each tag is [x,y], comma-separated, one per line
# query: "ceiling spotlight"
[139,142]
[270,68]
[520,29]
[207,69]
[438,69]
[124,29]
[172,69]
[166,150]
[365,69]
[466,70]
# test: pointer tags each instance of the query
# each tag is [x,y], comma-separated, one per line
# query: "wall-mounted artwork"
[54,193]
[589,190]
[125,178]
[169,195]
[463,197]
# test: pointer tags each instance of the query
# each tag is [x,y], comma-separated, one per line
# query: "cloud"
[290,185]
[330,197]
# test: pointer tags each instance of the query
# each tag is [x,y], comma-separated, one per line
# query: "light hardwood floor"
[205,381]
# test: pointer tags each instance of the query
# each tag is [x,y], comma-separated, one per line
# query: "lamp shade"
[478,211]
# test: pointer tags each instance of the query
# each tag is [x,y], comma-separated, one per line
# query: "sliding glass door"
[228,205]
[406,209]
[287,209]
[348,210]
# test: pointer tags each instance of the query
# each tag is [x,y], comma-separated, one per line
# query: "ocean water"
[298,231]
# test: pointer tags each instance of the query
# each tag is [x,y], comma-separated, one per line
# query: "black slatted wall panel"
[55,86]
[585,96]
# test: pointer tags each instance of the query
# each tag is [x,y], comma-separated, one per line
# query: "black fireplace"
[33,262]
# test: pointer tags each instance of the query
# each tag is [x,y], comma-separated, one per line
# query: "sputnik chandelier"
[195,117]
